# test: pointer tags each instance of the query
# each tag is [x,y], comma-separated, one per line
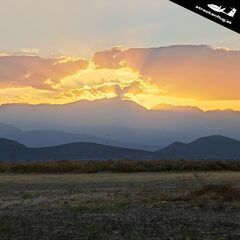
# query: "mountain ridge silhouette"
[213,147]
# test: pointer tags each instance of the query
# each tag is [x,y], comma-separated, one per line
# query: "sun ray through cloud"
[176,75]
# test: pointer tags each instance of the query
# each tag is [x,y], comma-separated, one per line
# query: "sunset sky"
[60,51]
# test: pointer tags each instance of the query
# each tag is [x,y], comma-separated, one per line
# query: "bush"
[120,166]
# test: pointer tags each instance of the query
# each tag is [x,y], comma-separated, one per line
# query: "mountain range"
[116,122]
[46,138]
[14,151]
[211,147]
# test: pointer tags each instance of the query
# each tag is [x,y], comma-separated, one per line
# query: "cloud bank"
[180,75]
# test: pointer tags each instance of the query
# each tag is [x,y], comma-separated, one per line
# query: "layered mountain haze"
[46,138]
[141,98]
[121,122]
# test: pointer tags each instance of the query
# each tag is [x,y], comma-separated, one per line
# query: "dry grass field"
[193,205]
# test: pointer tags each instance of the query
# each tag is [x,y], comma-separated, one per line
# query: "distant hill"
[46,138]
[13,151]
[212,147]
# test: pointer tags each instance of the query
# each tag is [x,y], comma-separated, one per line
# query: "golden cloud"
[34,71]
[179,75]
[183,74]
